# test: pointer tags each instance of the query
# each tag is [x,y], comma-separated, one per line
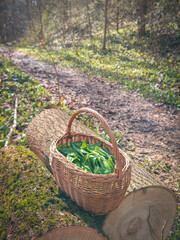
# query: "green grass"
[32,98]
[127,60]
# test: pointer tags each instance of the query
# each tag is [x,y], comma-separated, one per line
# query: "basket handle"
[119,158]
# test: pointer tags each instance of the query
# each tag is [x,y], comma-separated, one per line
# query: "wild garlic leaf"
[90,157]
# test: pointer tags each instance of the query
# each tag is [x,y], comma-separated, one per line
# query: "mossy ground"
[31,201]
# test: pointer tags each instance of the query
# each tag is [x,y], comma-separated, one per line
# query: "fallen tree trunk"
[50,124]
[72,233]
[147,213]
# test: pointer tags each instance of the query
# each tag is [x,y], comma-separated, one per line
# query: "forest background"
[133,43]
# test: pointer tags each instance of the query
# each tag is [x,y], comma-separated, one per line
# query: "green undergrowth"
[127,60]
[32,99]
[30,201]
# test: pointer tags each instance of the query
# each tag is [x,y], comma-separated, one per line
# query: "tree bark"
[151,198]
[40,11]
[2,22]
[105,24]
[117,15]
[142,17]
[89,23]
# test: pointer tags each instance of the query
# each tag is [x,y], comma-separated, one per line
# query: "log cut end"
[72,233]
[147,213]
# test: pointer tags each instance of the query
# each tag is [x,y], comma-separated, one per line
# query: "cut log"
[50,124]
[72,233]
[147,213]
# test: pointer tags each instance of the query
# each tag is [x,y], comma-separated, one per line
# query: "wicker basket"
[95,193]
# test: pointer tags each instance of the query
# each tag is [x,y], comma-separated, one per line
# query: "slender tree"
[89,23]
[40,12]
[105,24]
[117,15]
[2,22]
[142,11]
[13,20]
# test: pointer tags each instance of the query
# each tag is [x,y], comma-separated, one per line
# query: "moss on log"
[31,203]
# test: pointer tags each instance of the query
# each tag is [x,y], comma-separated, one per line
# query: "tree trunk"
[105,24]
[149,196]
[40,10]
[89,24]
[142,17]
[50,124]
[117,16]
[3,22]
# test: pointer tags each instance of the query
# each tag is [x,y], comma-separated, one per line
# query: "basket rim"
[61,158]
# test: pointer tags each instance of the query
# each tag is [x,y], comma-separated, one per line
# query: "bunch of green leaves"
[90,157]
[32,98]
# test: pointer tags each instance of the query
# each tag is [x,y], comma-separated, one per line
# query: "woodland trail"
[152,129]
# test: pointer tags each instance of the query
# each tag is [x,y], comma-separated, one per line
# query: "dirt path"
[153,128]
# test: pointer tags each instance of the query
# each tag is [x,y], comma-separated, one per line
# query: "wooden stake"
[14,123]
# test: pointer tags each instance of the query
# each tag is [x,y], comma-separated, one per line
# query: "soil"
[151,129]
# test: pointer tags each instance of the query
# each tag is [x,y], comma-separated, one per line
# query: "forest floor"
[151,129]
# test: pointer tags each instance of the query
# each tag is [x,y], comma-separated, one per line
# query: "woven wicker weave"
[97,193]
